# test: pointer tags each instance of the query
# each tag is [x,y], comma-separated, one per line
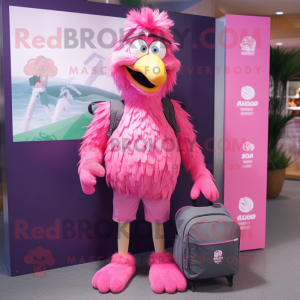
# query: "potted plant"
[278,161]
[283,66]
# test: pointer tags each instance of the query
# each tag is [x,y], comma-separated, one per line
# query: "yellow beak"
[153,68]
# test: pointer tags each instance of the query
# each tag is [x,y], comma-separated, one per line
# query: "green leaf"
[283,66]
[278,159]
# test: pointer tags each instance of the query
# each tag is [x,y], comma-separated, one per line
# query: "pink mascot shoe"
[114,276]
[164,274]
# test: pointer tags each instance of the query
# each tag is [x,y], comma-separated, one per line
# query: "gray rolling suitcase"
[207,243]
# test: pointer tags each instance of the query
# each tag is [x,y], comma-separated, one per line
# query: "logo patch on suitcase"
[218,256]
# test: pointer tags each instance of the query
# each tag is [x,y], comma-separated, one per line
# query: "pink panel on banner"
[246,125]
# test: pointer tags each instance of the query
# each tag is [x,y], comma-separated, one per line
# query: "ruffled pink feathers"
[137,158]
[144,173]
[164,274]
[152,21]
[95,139]
[114,276]
[145,20]
[192,157]
[191,153]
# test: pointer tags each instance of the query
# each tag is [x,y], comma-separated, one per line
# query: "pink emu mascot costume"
[141,153]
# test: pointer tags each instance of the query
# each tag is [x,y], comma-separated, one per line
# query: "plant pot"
[275,182]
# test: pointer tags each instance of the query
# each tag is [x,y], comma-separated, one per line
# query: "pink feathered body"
[134,164]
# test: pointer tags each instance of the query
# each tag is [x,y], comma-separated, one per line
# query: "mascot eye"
[158,48]
[45,68]
[36,68]
[138,48]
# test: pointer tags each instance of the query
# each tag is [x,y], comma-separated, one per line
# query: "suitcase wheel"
[192,285]
[230,280]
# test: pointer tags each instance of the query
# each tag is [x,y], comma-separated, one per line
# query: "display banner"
[247,55]
[54,58]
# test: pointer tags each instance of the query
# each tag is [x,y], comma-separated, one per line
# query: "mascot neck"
[135,99]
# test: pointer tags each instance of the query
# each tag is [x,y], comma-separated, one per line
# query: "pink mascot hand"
[89,169]
[207,187]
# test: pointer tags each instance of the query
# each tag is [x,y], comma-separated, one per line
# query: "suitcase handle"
[193,202]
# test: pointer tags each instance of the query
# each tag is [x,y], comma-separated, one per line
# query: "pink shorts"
[125,208]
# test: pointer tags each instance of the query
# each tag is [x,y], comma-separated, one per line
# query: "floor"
[272,273]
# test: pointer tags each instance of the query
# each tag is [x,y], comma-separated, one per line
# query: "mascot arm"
[192,156]
[93,147]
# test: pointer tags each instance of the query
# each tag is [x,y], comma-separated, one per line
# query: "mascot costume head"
[143,62]
[141,158]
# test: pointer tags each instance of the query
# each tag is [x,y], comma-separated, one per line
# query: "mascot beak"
[148,73]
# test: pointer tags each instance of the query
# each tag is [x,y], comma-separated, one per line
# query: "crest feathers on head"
[149,21]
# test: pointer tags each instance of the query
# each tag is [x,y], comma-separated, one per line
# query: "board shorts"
[125,209]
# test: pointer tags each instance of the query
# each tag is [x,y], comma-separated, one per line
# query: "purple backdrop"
[42,181]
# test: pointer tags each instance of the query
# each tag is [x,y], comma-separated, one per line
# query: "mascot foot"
[116,274]
[164,274]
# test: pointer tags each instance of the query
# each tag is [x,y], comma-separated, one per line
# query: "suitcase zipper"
[215,243]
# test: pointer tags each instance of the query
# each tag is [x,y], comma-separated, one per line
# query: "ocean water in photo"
[22,92]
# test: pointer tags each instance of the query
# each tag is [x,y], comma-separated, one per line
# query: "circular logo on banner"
[248,146]
[247,92]
[246,205]
[248,44]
